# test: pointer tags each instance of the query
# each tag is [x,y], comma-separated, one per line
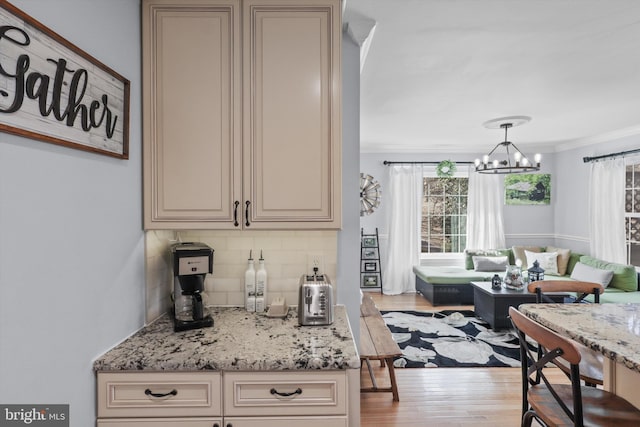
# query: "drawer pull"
[235,213]
[274,391]
[173,392]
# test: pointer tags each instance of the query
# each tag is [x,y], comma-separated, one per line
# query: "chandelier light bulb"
[477,162]
[537,157]
[495,163]
[525,161]
[485,159]
[517,156]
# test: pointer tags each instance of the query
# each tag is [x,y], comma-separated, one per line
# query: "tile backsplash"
[286,255]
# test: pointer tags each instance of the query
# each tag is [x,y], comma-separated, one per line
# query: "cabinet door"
[191,113]
[292,118]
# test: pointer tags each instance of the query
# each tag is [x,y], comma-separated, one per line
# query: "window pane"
[634,253]
[444,214]
[632,209]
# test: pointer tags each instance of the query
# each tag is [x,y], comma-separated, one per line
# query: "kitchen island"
[611,329]
[246,369]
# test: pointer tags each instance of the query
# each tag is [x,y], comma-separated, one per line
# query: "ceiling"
[433,71]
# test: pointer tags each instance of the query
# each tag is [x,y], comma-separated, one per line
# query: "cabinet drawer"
[287,422]
[129,394]
[285,393]
[159,422]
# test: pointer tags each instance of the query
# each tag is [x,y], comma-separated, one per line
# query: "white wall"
[71,241]
[565,222]
[349,237]
[523,224]
[572,220]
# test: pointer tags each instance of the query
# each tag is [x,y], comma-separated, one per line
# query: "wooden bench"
[376,343]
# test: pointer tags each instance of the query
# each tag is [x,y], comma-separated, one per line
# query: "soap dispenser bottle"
[250,285]
[261,286]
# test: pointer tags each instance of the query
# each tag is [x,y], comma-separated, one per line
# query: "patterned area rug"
[450,339]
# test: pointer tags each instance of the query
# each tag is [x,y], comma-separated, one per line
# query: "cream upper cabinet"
[191,113]
[241,114]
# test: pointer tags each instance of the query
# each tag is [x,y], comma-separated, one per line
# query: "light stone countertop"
[238,341]
[611,329]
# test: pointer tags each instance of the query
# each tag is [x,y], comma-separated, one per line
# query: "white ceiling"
[436,70]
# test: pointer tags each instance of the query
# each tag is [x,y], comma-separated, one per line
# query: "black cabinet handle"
[235,213]
[246,213]
[274,391]
[173,392]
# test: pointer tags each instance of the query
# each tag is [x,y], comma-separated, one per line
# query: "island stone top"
[238,341]
[611,329]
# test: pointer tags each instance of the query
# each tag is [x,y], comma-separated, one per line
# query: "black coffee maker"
[191,263]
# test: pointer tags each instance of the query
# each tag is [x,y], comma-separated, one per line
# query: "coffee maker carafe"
[191,263]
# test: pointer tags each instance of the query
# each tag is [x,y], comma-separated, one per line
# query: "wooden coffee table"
[492,305]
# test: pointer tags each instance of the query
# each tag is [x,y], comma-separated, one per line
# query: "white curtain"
[485,227]
[606,210]
[405,193]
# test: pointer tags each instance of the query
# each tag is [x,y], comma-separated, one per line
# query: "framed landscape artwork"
[369,253]
[369,242]
[370,281]
[527,189]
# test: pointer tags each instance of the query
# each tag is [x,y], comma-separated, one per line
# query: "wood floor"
[441,396]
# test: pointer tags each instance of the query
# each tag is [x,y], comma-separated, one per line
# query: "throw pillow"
[625,277]
[490,263]
[470,253]
[563,259]
[586,273]
[548,261]
[518,253]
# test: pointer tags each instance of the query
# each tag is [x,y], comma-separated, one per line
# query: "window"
[632,214]
[444,214]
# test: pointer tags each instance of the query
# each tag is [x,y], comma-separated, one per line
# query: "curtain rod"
[387,162]
[606,156]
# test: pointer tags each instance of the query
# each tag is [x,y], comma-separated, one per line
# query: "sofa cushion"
[439,275]
[624,276]
[470,253]
[563,258]
[518,253]
[490,263]
[586,273]
[548,261]
[620,297]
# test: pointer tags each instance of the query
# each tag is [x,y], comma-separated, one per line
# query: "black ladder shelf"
[370,271]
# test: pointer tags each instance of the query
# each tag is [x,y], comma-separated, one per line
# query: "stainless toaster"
[315,300]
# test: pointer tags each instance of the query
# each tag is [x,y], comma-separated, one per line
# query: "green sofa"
[451,285]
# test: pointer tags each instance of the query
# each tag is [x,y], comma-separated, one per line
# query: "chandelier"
[506,157]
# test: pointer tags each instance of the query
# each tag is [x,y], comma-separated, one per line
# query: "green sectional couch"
[451,285]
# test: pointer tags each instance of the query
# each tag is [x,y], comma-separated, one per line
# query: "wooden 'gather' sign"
[52,91]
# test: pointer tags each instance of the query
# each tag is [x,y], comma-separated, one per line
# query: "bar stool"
[562,404]
[591,363]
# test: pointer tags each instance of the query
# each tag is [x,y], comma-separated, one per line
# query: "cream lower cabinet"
[287,422]
[318,398]
[229,399]
[168,399]
[242,114]
[150,422]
